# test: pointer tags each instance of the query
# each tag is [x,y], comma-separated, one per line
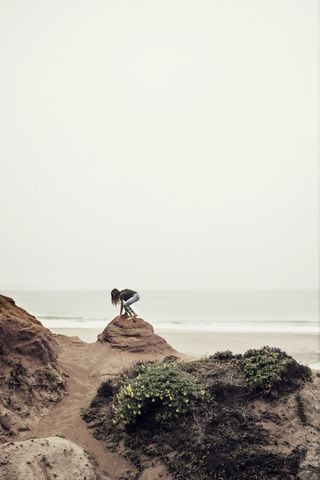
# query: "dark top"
[126,294]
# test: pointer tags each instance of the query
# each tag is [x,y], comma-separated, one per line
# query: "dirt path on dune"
[87,366]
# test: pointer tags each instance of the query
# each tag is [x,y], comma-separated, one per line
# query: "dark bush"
[227,355]
[106,389]
[170,359]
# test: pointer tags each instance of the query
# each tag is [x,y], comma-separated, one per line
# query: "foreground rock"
[45,459]
[134,335]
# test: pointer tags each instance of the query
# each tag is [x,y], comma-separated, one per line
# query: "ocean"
[293,311]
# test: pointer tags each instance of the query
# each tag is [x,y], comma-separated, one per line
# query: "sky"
[165,144]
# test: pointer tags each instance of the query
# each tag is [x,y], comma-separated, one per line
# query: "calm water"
[212,311]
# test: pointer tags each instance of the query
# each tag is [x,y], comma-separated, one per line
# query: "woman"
[126,297]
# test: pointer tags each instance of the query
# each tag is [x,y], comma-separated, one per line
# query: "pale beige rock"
[45,459]
[310,468]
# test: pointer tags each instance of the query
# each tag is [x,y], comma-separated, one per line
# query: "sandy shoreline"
[304,347]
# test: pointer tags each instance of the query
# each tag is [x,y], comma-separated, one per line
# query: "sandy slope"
[87,364]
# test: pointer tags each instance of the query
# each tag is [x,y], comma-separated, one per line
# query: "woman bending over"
[126,297]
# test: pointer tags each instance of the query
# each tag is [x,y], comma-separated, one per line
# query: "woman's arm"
[121,307]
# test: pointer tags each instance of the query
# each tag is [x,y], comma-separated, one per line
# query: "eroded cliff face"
[22,334]
[30,380]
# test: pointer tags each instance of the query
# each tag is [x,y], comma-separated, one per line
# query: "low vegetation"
[162,391]
[198,417]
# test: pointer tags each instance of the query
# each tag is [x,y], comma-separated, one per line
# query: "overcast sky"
[158,144]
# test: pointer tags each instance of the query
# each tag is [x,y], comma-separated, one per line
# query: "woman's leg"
[130,301]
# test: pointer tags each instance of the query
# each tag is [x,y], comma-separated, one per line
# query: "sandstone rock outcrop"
[134,335]
[30,380]
[45,459]
[22,334]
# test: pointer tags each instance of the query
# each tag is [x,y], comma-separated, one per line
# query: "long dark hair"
[115,296]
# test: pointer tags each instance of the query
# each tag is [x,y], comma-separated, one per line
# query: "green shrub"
[263,370]
[159,389]
[53,365]
[227,355]
[51,376]
[20,369]
[301,410]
